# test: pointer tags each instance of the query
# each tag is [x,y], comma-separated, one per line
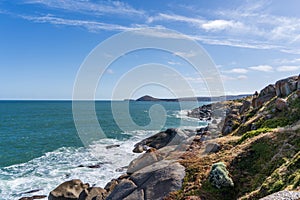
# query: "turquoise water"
[40,147]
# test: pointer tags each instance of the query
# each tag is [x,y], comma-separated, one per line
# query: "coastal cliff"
[249,150]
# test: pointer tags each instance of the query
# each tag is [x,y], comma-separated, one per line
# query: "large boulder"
[281,104]
[152,182]
[212,147]
[246,105]
[286,86]
[170,136]
[68,190]
[142,161]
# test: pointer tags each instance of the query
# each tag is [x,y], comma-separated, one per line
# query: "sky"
[43,44]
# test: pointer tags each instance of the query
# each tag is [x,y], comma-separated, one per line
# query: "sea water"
[40,147]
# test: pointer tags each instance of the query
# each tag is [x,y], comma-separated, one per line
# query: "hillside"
[259,144]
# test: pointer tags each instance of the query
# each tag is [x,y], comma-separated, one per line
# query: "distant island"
[220,98]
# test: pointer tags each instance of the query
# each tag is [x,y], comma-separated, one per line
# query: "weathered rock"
[142,161]
[298,93]
[68,190]
[298,84]
[212,148]
[152,182]
[227,129]
[122,190]
[33,197]
[219,176]
[169,137]
[281,104]
[265,95]
[138,148]
[269,90]
[111,185]
[92,193]
[246,105]
[286,86]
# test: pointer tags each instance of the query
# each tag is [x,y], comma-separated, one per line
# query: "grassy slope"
[260,162]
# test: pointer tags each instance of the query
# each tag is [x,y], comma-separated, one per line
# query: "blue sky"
[44,42]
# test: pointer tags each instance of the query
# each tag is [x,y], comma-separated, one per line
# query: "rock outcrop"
[286,86]
[265,95]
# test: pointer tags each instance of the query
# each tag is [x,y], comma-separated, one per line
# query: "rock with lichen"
[219,176]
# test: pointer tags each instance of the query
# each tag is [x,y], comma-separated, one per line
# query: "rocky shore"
[249,150]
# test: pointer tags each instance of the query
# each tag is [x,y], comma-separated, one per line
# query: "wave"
[53,168]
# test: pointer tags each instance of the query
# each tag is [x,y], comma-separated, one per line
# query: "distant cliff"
[220,98]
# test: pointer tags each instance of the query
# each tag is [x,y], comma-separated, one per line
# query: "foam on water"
[48,171]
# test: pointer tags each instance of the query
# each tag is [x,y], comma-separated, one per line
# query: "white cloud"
[237,71]
[288,68]
[217,25]
[287,61]
[262,68]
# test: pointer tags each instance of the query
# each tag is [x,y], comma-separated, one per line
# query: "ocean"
[40,147]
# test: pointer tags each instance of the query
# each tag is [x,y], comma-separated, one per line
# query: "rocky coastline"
[249,150]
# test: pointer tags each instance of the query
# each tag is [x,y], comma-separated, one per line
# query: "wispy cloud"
[90,25]
[288,68]
[262,68]
[176,18]
[251,25]
[88,7]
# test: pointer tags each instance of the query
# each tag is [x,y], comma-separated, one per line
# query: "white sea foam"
[55,167]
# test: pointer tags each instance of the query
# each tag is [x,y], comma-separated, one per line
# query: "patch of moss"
[276,122]
[253,133]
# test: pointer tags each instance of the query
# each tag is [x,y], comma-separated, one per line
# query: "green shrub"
[253,133]
[275,122]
